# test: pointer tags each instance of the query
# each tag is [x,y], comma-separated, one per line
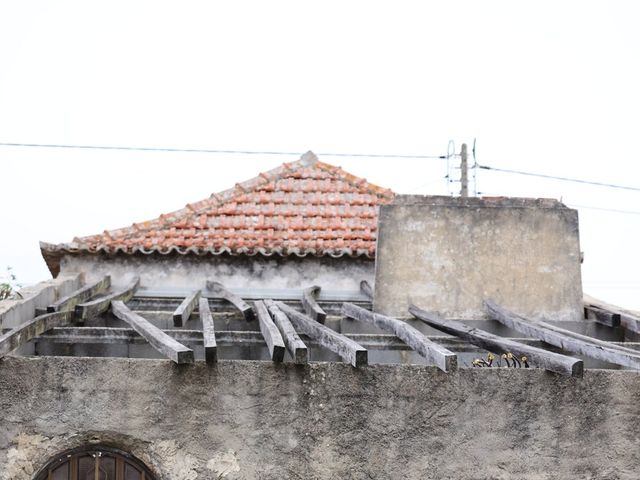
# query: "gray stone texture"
[23,308]
[177,271]
[259,420]
[447,254]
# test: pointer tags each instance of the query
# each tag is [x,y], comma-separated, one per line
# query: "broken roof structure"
[285,329]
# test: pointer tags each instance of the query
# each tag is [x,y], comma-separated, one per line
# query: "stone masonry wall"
[257,420]
[448,254]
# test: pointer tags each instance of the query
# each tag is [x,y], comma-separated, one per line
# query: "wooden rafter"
[628,320]
[220,291]
[270,332]
[349,350]
[208,332]
[436,354]
[184,310]
[159,340]
[296,347]
[101,305]
[81,295]
[21,334]
[604,317]
[240,338]
[554,362]
[565,339]
[310,304]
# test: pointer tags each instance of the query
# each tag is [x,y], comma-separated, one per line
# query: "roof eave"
[53,253]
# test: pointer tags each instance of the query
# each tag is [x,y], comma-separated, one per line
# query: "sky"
[544,87]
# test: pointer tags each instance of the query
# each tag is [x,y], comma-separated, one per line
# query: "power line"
[375,155]
[629,212]
[565,179]
[204,150]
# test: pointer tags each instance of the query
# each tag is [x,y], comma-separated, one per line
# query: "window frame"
[72,456]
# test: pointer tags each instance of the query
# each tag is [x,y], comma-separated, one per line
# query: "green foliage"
[8,284]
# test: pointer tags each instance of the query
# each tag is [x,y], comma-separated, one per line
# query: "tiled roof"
[301,208]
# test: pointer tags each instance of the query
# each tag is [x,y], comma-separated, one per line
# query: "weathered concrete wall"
[190,271]
[257,420]
[447,254]
[16,311]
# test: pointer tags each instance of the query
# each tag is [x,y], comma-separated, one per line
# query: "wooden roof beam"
[604,317]
[310,304]
[208,332]
[565,339]
[553,362]
[184,310]
[436,354]
[21,334]
[220,291]
[296,347]
[242,338]
[349,350]
[270,332]
[81,295]
[629,320]
[101,305]
[159,340]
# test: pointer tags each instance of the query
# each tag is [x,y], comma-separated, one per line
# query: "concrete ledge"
[175,271]
[324,420]
[478,202]
[15,312]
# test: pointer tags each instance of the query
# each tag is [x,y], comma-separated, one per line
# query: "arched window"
[95,464]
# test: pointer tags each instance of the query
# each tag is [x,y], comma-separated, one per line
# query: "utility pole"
[464,179]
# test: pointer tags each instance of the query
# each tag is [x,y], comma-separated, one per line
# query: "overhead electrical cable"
[553,177]
[205,150]
[615,210]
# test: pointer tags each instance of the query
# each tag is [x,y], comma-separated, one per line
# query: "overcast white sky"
[549,87]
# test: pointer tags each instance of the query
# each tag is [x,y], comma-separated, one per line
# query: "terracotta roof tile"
[300,208]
